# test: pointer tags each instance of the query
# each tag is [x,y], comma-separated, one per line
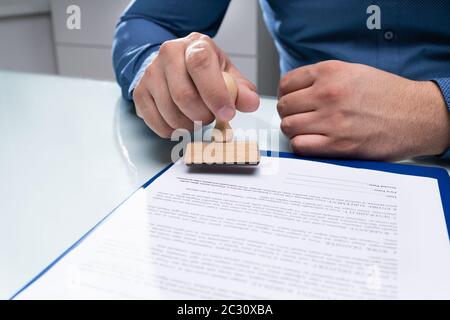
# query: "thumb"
[247,98]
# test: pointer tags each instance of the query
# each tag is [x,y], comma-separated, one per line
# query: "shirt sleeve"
[146,24]
[444,85]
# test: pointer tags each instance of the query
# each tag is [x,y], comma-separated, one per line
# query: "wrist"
[138,76]
[433,104]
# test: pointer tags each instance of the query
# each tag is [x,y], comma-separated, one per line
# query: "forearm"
[132,50]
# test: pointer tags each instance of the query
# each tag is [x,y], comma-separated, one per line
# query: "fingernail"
[226,113]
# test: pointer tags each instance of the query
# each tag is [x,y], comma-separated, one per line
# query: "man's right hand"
[184,84]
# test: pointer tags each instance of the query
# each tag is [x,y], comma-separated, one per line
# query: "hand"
[184,84]
[338,109]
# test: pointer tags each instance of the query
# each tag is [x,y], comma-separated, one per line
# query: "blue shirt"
[413,42]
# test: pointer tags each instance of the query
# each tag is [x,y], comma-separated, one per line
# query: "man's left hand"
[338,109]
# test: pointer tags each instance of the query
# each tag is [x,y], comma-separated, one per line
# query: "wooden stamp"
[223,150]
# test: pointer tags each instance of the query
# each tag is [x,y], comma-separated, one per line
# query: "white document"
[288,229]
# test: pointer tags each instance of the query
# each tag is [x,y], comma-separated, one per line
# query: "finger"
[311,145]
[297,79]
[203,66]
[296,102]
[247,99]
[302,123]
[182,88]
[166,106]
[151,115]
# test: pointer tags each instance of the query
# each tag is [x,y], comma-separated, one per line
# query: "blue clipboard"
[441,175]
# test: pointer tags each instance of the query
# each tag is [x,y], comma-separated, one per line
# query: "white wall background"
[26,36]
[34,38]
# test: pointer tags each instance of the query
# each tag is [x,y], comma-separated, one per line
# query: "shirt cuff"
[444,85]
[140,73]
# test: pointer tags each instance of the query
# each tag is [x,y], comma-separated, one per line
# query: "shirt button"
[389,35]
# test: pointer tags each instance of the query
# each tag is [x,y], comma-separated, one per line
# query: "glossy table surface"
[71,151]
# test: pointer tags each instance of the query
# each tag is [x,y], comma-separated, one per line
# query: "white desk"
[71,151]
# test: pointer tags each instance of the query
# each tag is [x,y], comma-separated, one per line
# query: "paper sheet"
[287,229]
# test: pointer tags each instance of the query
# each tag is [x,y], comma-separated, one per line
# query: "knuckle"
[169,47]
[296,144]
[194,35]
[282,106]
[198,56]
[330,66]
[332,92]
[184,96]
[286,126]
[284,83]
[205,38]
[165,47]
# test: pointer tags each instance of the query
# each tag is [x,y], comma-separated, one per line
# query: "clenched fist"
[338,109]
[184,84]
